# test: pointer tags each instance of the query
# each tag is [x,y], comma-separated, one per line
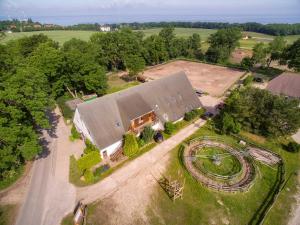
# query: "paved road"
[50,196]
[145,162]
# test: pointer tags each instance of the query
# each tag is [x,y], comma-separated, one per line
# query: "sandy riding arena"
[212,79]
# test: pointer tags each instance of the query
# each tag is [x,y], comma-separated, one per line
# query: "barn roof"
[286,84]
[107,118]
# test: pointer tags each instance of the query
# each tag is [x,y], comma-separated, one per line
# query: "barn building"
[105,120]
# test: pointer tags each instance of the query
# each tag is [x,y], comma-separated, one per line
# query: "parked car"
[158,137]
[258,79]
[207,115]
[221,106]
[199,93]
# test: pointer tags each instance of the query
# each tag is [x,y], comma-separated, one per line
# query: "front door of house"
[104,154]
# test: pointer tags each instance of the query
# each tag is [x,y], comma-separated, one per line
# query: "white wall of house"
[112,148]
[158,126]
[80,126]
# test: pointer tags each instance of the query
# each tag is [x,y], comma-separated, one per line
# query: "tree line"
[276,29]
[276,50]
[260,112]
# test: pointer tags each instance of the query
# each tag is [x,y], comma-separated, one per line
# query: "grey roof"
[107,118]
[286,84]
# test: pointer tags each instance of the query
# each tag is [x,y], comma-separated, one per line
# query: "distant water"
[116,18]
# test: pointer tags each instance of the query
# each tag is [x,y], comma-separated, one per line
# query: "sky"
[153,9]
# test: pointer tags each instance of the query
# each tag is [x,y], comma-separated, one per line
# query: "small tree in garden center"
[147,134]
[130,145]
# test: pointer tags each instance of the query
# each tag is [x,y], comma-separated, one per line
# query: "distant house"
[105,120]
[49,25]
[287,84]
[37,26]
[105,28]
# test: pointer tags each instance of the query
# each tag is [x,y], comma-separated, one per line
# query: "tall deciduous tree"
[291,55]
[275,49]
[261,112]
[259,54]
[135,64]
[222,43]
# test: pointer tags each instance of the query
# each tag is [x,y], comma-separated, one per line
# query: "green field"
[60,36]
[63,35]
[183,32]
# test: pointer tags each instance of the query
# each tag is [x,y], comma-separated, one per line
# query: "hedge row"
[193,114]
[89,160]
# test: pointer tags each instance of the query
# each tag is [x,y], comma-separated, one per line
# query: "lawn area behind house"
[203,206]
[60,36]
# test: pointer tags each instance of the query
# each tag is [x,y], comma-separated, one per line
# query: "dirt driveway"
[212,79]
[124,196]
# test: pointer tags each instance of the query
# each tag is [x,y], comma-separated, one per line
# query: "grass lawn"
[182,32]
[203,206]
[60,36]
[115,84]
[229,165]
[8,214]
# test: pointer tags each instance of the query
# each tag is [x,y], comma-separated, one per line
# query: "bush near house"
[89,160]
[147,134]
[193,114]
[65,110]
[169,128]
[90,147]
[248,80]
[141,142]
[88,176]
[130,145]
[293,147]
[74,134]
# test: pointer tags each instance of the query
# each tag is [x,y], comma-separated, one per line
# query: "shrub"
[200,111]
[130,145]
[229,125]
[101,169]
[141,142]
[147,134]
[88,176]
[75,172]
[65,110]
[248,80]
[90,147]
[247,63]
[193,114]
[293,147]
[74,134]
[169,128]
[89,160]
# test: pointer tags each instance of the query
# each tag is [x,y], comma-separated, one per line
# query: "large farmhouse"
[105,120]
